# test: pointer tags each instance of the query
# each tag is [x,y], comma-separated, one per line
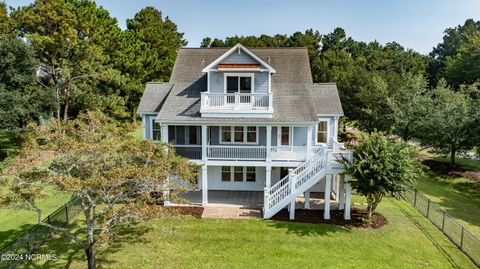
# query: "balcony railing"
[236,102]
[289,153]
[237,152]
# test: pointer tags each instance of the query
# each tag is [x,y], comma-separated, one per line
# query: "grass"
[15,221]
[468,163]
[408,241]
[459,197]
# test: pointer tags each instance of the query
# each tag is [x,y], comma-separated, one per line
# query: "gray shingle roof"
[325,99]
[295,97]
[153,97]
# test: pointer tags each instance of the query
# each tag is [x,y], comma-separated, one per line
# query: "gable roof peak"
[238,47]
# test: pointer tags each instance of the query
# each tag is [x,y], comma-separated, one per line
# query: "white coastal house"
[254,121]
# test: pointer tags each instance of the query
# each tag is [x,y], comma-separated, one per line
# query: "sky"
[415,24]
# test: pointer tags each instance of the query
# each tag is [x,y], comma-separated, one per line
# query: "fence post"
[443,220]
[66,213]
[415,199]
[428,208]
[461,239]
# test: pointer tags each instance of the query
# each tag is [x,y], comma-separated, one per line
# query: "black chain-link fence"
[17,251]
[462,238]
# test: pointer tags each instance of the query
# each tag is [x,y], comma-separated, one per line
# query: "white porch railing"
[236,101]
[237,152]
[289,153]
[338,153]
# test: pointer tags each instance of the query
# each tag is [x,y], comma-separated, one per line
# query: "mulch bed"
[155,211]
[446,169]
[336,218]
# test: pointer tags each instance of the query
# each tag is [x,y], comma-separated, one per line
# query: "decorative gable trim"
[233,49]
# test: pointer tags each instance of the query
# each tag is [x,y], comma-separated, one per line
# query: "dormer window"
[238,83]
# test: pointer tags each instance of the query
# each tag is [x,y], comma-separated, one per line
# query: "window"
[226,134]
[238,174]
[226,175]
[251,175]
[251,134]
[156,133]
[239,134]
[241,83]
[322,132]
[285,136]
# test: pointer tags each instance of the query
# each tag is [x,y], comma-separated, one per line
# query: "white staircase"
[298,181]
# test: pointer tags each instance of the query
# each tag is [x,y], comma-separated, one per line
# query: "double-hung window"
[156,130]
[239,134]
[322,132]
[238,174]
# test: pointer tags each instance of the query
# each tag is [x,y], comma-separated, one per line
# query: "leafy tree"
[6,23]
[382,167]
[450,122]
[146,52]
[71,40]
[464,68]
[20,99]
[453,40]
[96,161]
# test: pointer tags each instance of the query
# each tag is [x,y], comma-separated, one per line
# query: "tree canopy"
[381,167]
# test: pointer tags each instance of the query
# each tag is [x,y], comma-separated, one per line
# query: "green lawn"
[15,221]
[469,163]
[459,197]
[408,241]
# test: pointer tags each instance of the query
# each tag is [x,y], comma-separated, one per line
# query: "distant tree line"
[62,57]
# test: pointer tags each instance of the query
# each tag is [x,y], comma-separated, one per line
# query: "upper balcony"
[231,104]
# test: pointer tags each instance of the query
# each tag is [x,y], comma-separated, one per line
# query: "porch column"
[306,195]
[268,176]
[328,187]
[291,177]
[309,141]
[204,143]
[166,192]
[341,191]
[348,191]
[204,185]
[164,133]
[269,144]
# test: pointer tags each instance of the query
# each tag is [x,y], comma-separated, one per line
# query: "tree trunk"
[453,152]
[369,207]
[90,251]
[65,104]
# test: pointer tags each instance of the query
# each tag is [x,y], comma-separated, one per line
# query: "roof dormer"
[239,58]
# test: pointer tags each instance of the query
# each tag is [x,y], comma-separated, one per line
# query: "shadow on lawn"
[458,199]
[6,237]
[441,246]
[308,229]
[68,250]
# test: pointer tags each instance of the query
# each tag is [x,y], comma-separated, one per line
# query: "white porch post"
[204,185]
[144,127]
[348,190]
[291,177]
[309,141]
[268,176]
[341,191]
[269,144]
[306,195]
[166,189]
[204,143]
[328,187]
[164,133]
